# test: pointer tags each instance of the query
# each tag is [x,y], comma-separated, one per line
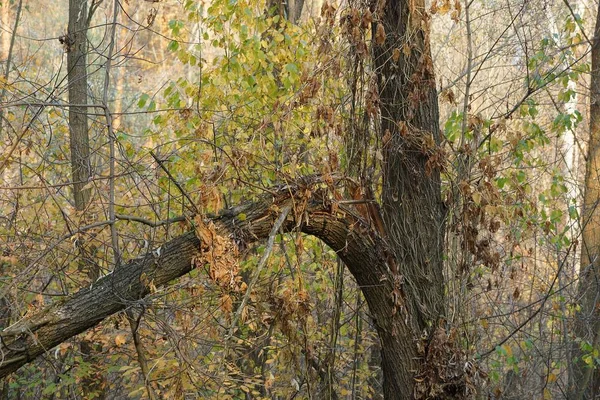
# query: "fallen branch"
[356,244]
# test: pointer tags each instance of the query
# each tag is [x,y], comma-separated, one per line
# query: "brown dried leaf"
[367,18]
[226,303]
[120,340]
[516,293]
[380,34]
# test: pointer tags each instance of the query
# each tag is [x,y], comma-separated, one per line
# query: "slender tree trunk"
[294,10]
[93,384]
[584,382]
[76,44]
[4,34]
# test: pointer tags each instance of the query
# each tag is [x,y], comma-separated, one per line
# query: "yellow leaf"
[120,340]
[444,8]
[406,49]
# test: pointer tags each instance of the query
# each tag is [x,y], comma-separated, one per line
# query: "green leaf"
[173,45]
[142,101]
[291,68]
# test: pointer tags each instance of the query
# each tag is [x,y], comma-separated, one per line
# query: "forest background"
[240,199]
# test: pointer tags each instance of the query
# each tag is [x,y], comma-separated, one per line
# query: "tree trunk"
[76,46]
[4,34]
[398,268]
[412,209]
[584,383]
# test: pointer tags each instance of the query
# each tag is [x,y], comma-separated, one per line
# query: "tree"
[76,46]
[584,382]
[398,264]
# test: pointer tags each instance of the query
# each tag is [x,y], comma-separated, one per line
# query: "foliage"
[252,101]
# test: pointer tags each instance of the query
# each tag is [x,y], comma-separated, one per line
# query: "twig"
[144,221]
[259,267]
[9,58]
[134,323]
[548,294]
[183,192]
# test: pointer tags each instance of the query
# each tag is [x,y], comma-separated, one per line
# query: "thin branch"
[152,224]
[134,324]
[183,192]
[259,267]
[9,58]
[547,296]
[578,22]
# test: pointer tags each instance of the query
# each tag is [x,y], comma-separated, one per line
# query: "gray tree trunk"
[76,46]
[412,208]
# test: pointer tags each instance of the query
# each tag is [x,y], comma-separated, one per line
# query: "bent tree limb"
[361,249]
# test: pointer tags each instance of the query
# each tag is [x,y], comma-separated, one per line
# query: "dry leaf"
[380,34]
[387,137]
[226,303]
[406,49]
[120,340]
[444,8]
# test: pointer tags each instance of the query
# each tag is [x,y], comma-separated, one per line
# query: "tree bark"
[412,209]
[359,247]
[584,383]
[398,268]
[76,47]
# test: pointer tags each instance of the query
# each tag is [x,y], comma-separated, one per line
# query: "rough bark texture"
[400,274]
[585,381]
[76,46]
[411,198]
[359,247]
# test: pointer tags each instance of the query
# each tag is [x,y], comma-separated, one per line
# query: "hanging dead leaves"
[409,138]
[328,11]
[440,379]
[292,308]
[481,216]
[67,42]
[380,34]
[220,255]
[355,24]
[444,7]
[372,99]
